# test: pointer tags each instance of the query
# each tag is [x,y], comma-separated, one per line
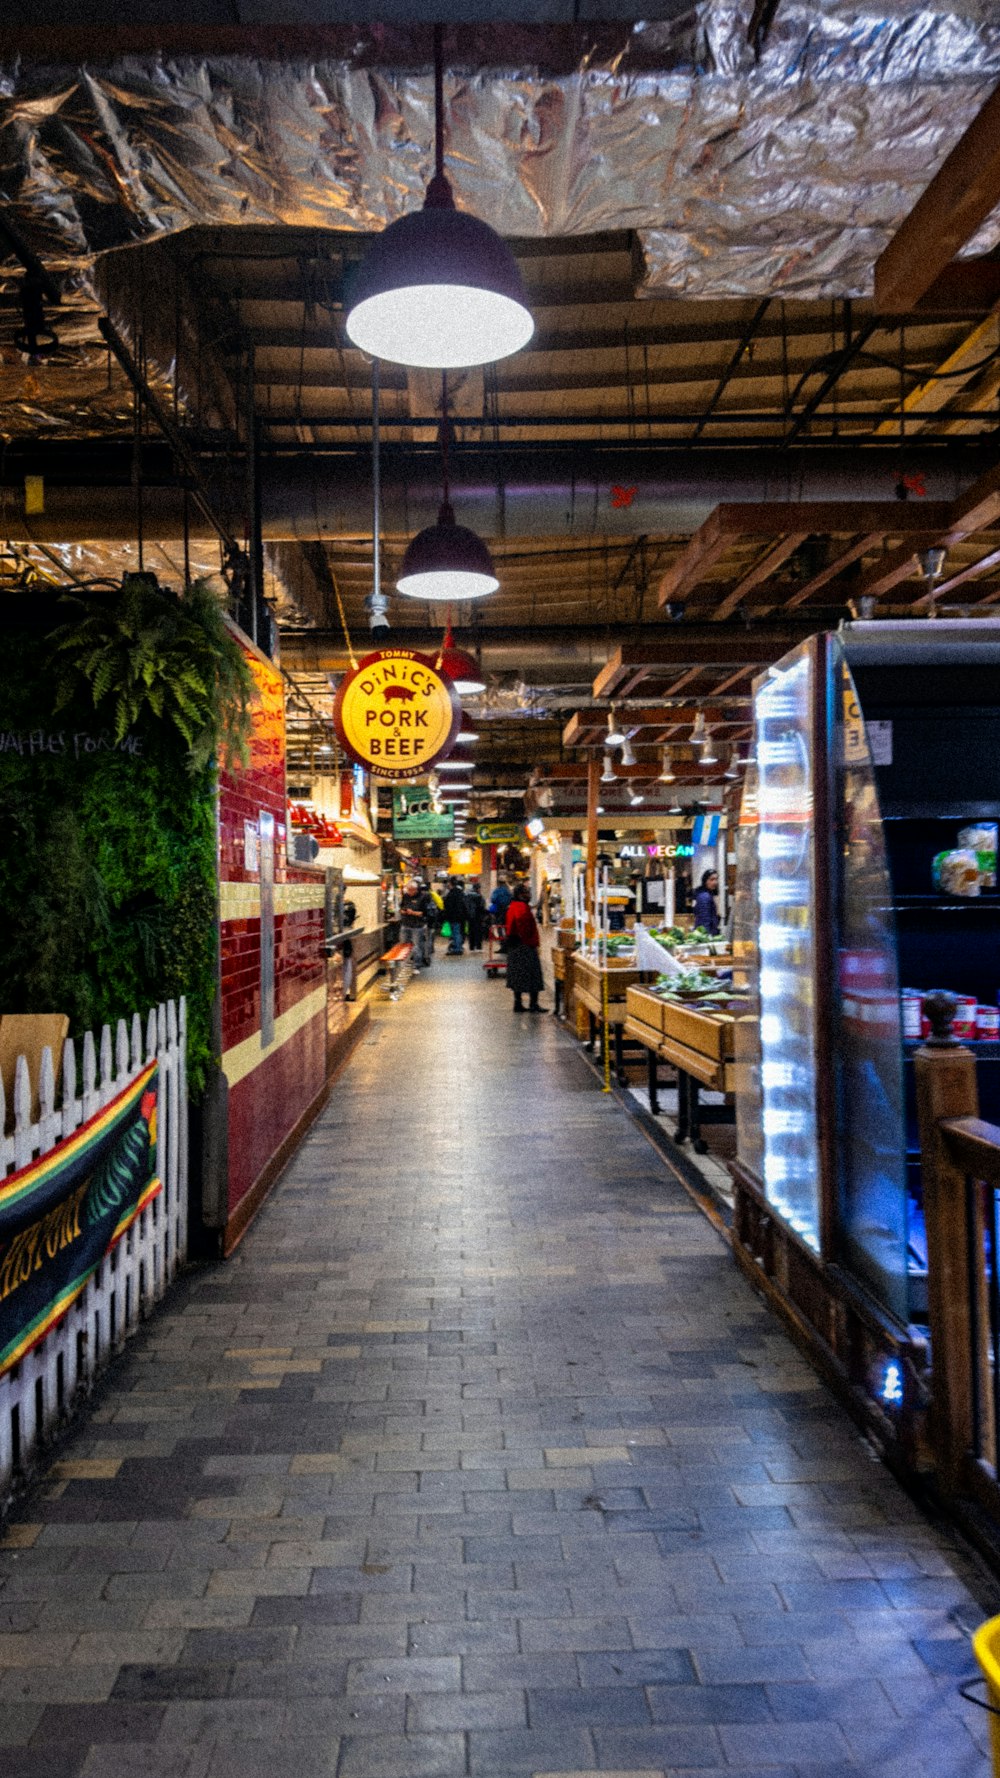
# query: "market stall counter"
[697,1041]
[600,987]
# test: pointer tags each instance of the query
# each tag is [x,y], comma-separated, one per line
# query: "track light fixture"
[439,289]
[615,735]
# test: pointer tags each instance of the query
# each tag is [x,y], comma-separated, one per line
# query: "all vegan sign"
[396,713]
[63,1213]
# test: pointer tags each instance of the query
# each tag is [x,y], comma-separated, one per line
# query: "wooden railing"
[960,1163]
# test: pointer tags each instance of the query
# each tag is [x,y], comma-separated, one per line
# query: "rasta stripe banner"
[63,1213]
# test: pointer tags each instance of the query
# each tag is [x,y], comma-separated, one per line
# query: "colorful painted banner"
[63,1213]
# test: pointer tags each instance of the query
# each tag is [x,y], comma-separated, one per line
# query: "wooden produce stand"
[565,940]
[589,978]
[699,1044]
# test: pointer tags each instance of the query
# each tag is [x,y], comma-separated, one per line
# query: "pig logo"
[400,694]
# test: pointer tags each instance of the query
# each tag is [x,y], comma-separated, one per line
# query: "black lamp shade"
[439,289]
[447,562]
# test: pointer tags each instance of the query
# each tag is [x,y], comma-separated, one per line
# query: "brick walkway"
[478,1458]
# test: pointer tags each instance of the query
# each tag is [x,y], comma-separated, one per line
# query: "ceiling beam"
[762,570]
[958,199]
[953,374]
[784,519]
[582,729]
[702,645]
[844,559]
[973,511]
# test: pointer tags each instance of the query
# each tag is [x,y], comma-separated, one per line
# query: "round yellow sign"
[396,713]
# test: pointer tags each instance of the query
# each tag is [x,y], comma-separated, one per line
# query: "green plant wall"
[107,856]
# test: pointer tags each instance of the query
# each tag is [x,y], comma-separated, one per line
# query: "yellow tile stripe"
[241,901]
[244,1057]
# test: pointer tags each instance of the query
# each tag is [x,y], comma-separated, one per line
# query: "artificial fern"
[147,650]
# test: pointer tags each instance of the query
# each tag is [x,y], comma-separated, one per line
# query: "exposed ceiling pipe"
[509,494]
[584,648]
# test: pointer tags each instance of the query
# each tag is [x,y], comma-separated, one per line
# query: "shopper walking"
[413,923]
[477,916]
[524,966]
[706,911]
[499,903]
[457,915]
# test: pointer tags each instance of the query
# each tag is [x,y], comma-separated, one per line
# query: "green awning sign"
[414,819]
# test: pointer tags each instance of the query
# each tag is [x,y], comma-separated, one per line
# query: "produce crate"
[708,1033]
[645,1008]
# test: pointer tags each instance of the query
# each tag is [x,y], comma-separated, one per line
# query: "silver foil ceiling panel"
[742,178]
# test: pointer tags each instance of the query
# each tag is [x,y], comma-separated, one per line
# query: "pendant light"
[608,774]
[635,798]
[628,753]
[709,757]
[468,733]
[461,668]
[667,773]
[615,735]
[446,562]
[698,731]
[439,289]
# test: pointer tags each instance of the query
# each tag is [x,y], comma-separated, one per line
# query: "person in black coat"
[456,913]
[706,911]
[477,916]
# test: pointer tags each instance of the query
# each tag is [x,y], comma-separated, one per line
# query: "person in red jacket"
[524,967]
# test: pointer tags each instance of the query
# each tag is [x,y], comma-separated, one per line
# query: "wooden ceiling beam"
[782,519]
[694,647]
[973,511]
[860,546]
[584,727]
[958,199]
[762,570]
[686,771]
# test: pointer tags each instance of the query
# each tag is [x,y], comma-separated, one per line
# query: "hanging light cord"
[376,494]
[352,657]
[439,194]
[445,479]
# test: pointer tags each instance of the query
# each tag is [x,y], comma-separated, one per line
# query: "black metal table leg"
[620,1056]
[680,1134]
[698,1142]
[592,1039]
[654,1097]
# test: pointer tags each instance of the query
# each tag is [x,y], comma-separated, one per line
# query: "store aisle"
[479,1457]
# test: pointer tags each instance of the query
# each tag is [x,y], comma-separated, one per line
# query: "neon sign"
[682,850]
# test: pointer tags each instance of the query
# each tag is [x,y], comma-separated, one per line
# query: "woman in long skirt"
[524,966]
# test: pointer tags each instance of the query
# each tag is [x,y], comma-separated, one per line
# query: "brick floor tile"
[480,1421]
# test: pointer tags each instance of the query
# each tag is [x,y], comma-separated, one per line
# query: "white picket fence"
[38,1395]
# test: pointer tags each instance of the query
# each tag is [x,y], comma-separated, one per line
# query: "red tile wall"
[267,1103]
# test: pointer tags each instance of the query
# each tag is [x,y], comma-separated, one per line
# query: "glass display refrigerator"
[866,876]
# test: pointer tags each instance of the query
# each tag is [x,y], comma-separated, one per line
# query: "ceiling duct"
[513,494]
[783,176]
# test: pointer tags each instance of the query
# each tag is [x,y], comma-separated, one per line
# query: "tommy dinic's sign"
[396,713]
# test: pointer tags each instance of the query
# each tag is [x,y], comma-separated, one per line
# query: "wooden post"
[593,798]
[946,1088]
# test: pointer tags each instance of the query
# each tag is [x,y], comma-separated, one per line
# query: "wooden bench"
[397,961]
